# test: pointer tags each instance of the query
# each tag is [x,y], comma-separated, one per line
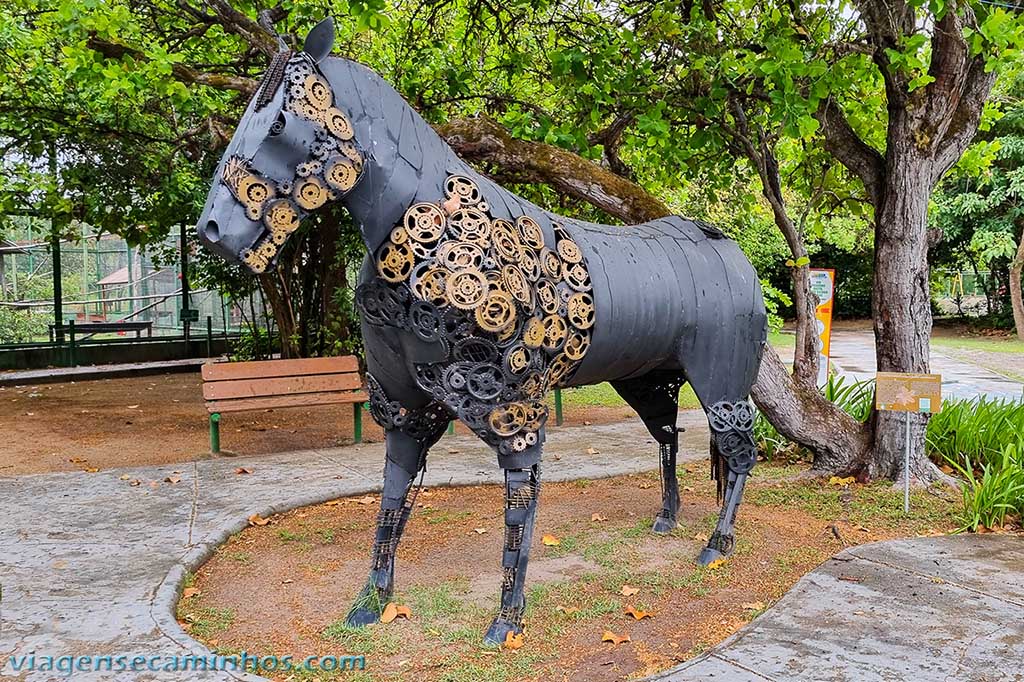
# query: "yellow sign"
[823,285]
[899,392]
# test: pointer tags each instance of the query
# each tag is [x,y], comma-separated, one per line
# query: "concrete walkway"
[90,565]
[944,609]
[854,353]
[56,375]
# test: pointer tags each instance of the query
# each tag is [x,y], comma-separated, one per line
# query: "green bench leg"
[451,427]
[357,422]
[558,407]
[215,433]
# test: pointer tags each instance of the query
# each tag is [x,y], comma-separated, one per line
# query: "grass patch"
[243,558]
[439,516]
[285,535]
[603,395]
[373,639]
[208,621]
[985,343]
[782,341]
[874,504]
[435,602]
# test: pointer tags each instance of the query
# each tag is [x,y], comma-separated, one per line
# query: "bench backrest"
[234,386]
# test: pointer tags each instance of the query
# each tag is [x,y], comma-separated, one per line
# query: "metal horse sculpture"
[475,302]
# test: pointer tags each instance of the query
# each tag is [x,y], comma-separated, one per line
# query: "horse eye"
[278,126]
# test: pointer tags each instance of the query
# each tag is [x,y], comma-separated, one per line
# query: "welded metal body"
[476,302]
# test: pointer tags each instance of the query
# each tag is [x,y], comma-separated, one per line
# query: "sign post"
[823,285]
[899,392]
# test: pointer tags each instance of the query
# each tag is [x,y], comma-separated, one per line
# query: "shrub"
[979,429]
[994,492]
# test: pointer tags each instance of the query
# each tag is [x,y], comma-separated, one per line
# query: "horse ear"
[320,40]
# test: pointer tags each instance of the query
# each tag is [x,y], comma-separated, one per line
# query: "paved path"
[854,352]
[92,565]
[945,609]
[54,375]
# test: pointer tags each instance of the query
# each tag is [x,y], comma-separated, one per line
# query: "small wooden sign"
[899,392]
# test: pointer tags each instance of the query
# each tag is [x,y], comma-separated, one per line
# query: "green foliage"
[253,343]
[979,430]
[996,491]
[22,326]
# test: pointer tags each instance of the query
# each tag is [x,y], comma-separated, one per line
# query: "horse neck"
[405,160]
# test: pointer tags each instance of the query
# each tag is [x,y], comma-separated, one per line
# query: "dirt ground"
[285,588]
[162,419]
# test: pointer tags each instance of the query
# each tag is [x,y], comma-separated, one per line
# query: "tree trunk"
[1016,301]
[281,308]
[901,308]
[801,414]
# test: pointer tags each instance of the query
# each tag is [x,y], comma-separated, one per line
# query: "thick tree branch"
[610,138]
[181,72]
[482,139]
[849,149]
[241,25]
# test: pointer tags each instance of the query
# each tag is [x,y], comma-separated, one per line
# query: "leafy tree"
[980,207]
[845,112]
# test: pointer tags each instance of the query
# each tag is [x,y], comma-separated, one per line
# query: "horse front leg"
[522,488]
[406,457]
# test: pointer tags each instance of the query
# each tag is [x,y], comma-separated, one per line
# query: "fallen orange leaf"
[190,592]
[258,520]
[91,470]
[393,611]
[753,606]
[567,610]
[638,615]
[513,641]
[610,636]
[369,499]
[715,564]
[172,479]
[597,517]
[629,590]
[550,541]
[243,470]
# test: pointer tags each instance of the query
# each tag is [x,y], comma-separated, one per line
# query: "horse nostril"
[211,231]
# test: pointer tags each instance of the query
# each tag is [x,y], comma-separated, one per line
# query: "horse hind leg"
[655,397]
[733,454]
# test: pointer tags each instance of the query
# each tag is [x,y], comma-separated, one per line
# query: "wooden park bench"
[271,384]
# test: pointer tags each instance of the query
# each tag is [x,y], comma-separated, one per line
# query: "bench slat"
[301,400]
[283,386]
[263,369]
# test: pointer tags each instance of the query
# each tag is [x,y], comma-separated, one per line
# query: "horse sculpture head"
[292,153]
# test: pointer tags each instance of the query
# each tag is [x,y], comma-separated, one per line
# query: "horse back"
[664,292]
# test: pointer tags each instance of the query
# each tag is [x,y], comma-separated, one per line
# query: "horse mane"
[272,79]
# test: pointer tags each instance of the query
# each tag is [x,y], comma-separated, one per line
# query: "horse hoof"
[499,630]
[663,525]
[708,555]
[361,617]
